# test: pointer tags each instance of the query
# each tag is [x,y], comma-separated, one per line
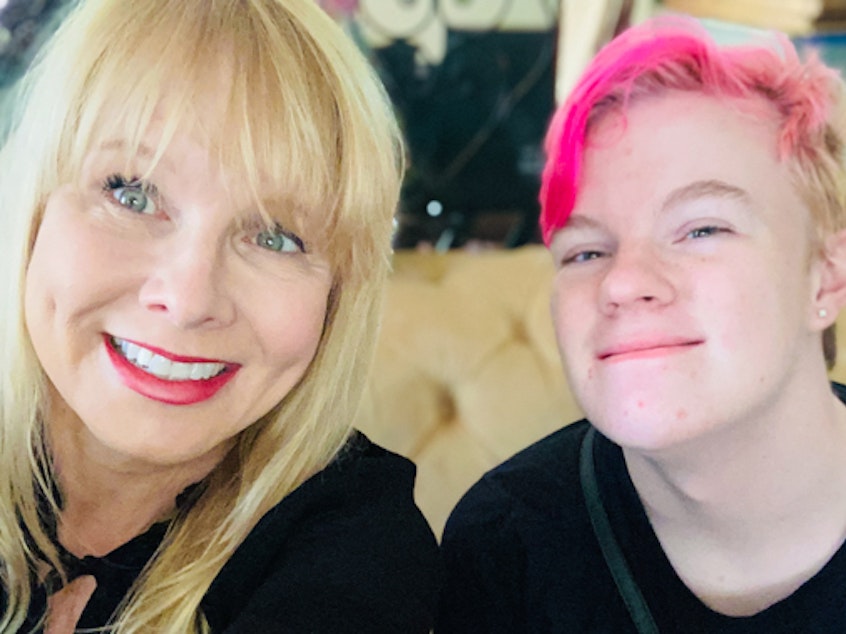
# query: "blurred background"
[474,83]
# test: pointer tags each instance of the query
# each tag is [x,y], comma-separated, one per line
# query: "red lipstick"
[172,392]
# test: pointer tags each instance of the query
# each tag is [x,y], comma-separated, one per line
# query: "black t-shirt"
[346,552]
[521,556]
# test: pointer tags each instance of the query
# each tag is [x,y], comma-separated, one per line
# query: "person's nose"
[636,276]
[188,284]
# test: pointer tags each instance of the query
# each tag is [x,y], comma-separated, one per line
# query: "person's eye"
[278,240]
[133,194]
[582,256]
[704,232]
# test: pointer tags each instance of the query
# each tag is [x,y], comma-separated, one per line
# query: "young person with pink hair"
[693,202]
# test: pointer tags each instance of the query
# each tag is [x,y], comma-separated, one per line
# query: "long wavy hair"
[303,108]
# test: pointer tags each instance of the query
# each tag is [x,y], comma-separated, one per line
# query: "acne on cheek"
[681,414]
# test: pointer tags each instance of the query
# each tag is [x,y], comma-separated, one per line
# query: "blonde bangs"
[294,123]
[339,165]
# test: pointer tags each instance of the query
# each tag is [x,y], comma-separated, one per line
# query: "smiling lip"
[646,349]
[165,377]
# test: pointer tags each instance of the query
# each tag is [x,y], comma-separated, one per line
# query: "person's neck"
[751,512]
[103,509]
[107,499]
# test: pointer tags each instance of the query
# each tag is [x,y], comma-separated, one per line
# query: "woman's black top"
[347,551]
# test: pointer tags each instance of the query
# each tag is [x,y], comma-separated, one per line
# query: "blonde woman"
[197,202]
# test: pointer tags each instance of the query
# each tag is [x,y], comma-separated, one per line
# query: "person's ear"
[830,295]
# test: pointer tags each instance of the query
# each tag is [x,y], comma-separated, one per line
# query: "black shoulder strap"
[632,597]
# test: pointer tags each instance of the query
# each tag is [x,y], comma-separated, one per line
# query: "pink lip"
[646,349]
[186,392]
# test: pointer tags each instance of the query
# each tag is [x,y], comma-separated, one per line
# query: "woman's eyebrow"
[119,144]
[143,151]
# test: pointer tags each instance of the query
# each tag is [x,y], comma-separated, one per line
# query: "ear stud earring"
[823,313]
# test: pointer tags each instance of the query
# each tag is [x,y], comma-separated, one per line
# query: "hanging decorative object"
[397,19]
[466,14]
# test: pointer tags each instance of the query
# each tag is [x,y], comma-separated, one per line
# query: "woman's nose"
[188,284]
[636,276]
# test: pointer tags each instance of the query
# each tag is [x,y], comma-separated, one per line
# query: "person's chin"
[640,427]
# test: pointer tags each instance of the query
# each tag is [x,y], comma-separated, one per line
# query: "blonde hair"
[305,110]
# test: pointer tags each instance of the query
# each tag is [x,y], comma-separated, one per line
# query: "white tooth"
[144,358]
[165,368]
[159,366]
[179,371]
[132,351]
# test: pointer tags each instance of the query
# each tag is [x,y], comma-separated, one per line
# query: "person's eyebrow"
[704,189]
[119,144]
[143,151]
[712,188]
[578,222]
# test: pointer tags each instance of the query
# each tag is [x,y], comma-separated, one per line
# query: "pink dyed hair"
[678,54]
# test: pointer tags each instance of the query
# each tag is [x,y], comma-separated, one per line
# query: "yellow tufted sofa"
[466,370]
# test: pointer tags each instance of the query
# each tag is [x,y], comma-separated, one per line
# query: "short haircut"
[804,99]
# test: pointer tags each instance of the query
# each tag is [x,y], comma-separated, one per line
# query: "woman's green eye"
[279,241]
[135,199]
[133,195]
